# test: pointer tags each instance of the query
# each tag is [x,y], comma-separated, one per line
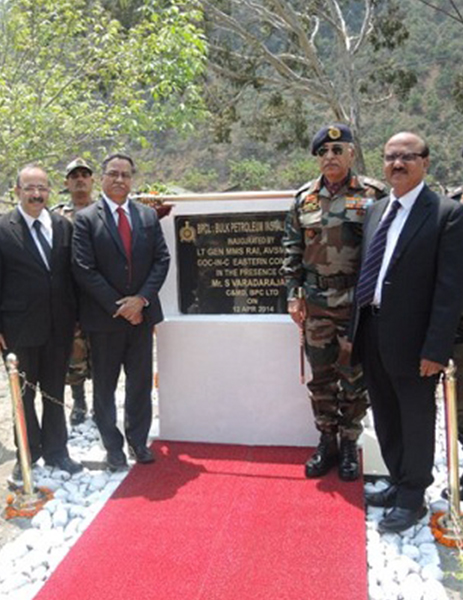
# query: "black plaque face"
[229,263]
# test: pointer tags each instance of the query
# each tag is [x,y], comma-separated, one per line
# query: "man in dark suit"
[408,302]
[120,262]
[38,311]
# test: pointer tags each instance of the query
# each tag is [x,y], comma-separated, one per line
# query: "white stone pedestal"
[229,378]
[232,381]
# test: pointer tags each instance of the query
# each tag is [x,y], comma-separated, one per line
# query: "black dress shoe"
[349,461]
[16,477]
[400,519]
[65,463]
[141,454]
[385,498]
[116,459]
[15,480]
[325,457]
[77,416]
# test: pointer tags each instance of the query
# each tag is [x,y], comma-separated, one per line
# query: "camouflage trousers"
[79,365]
[337,390]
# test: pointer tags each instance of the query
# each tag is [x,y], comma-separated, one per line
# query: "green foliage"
[198,180]
[251,174]
[457,92]
[155,188]
[390,30]
[297,172]
[269,124]
[374,163]
[74,79]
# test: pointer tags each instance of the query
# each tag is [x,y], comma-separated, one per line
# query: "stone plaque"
[229,263]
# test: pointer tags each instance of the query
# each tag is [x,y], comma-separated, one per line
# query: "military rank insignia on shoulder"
[377,188]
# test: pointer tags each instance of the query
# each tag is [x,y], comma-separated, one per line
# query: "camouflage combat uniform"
[323,234]
[79,365]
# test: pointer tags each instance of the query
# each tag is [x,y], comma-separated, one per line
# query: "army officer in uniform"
[323,233]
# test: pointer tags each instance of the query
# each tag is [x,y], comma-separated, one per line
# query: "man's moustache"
[36,201]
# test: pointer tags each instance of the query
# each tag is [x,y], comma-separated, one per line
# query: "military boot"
[79,409]
[324,458]
[349,462]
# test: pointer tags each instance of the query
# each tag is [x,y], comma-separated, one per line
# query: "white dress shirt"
[407,201]
[113,206]
[47,229]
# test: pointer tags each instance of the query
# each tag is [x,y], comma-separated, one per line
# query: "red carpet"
[214,522]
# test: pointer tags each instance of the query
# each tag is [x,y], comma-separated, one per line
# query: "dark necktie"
[37,225]
[125,232]
[372,265]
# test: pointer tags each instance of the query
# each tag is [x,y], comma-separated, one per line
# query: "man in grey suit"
[38,312]
[120,261]
[408,302]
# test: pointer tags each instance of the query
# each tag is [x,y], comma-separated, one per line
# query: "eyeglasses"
[404,157]
[29,189]
[116,174]
[336,150]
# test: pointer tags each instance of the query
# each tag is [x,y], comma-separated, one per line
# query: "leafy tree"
[74,80]
[335,53]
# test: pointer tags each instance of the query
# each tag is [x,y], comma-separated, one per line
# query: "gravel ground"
[9,530]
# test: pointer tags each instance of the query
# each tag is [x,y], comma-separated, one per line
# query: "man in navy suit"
[404,333]
[120,261]
[38,312]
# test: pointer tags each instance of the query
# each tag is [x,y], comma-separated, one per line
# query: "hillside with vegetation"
[262,141]
[222,95]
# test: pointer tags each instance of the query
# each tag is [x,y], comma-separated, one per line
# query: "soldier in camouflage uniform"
[79,184]
[322,241]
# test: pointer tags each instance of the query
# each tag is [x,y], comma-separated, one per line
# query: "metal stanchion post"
[447,527]
[452,437]
[20,423]
[26,500]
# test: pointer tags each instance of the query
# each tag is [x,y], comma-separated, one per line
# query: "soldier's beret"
[337,132]
[78,163]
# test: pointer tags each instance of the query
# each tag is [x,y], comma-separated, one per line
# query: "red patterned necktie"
[126,233]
